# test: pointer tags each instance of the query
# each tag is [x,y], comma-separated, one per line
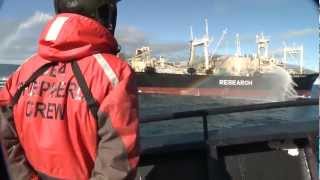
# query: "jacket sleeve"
[18,165]
[118,130]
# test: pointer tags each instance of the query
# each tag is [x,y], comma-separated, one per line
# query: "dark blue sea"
[165,104]
[162,104]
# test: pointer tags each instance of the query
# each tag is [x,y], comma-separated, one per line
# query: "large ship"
[258,75]
[258,85]
[231,86]
[219,82]
[230,76]
[237,75]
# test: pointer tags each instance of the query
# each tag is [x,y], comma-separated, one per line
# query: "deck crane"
[293,50]
[202,42]
[224,32]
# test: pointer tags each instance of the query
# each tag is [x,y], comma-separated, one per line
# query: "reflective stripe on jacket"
[58,133]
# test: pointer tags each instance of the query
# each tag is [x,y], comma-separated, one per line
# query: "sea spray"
[282,87]
[285,84]
[232,71]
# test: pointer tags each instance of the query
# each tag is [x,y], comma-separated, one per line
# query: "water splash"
[282,86]
[36,19]
[317,81]
[281,83]
[285,85]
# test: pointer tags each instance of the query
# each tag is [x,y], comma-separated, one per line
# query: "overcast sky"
[165,26]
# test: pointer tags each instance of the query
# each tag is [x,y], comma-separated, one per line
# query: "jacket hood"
[71,37]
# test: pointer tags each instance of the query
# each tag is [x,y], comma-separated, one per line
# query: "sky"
[165,26]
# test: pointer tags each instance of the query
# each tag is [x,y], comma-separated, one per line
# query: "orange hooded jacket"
[57,134]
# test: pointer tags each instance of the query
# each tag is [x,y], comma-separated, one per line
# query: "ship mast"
[191,33]
[206,45]
[238,51]
[204,42]
[296,51]
[263,45]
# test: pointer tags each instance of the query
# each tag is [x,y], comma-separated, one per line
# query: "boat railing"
[204,113]
[302,138]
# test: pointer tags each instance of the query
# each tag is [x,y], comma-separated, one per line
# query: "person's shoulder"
[119,65]
[29,65]
[116,61]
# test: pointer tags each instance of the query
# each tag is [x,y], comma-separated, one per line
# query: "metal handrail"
[230,109]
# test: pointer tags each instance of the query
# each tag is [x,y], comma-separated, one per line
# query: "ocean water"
[167,104]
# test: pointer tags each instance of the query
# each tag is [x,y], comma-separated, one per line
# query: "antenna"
[238,51]
[207,28]
[191,33]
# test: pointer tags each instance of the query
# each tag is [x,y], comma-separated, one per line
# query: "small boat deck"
[277,151]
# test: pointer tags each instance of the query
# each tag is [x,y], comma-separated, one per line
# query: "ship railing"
[204,113]
[306,143]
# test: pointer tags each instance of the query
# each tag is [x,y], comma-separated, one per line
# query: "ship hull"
[261,85]
[304,81]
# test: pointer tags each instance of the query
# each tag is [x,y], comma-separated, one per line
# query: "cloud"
[301,32]
[131,38]
[19,39]
[168,48]
[37,19]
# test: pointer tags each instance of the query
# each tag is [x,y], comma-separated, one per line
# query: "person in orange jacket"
[74,108]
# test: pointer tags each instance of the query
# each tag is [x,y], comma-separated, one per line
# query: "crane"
[224,32]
